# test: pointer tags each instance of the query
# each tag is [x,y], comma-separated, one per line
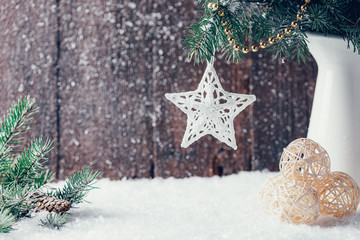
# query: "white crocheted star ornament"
[210,109]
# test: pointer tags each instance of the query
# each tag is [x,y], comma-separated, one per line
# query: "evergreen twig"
[7,220]
[28,167]
[22,176]
[77,187]
[17,121]
[17,199]
[55,220]
[252,21]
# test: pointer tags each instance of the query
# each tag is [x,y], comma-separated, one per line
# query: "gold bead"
[280,36]
[221,13]
[303,8]
[307,1]
[210,5]
[231,40]
[271,40]
[254,48]
[236,47]
[227,31]
[245,50]
[224,22]
[299,16]
[294,24]
[288,30]
[263,44]
[215,6]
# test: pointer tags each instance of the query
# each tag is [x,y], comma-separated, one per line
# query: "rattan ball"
[338,194]
[304,160]
[267,194]
[298,202]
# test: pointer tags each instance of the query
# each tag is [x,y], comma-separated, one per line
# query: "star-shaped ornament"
[210,109]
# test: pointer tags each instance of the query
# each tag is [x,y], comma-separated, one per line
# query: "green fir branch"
[17,199]
[78,186]
[299,52]
[201,40]
[353,35]
[22,176]
[29,166]
[319,21]
[55,220]
[17,121]
[7,220]
[254,21]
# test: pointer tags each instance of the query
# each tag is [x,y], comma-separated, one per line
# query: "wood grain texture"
[282,110]
[99,70]
[27,58]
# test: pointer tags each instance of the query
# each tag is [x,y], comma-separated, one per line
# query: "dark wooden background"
[99,71]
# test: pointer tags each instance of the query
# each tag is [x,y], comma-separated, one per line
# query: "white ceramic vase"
[335,116]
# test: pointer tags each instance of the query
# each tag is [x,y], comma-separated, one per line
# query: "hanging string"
[212,60]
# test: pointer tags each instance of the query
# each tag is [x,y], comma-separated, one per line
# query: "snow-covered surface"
[182,209]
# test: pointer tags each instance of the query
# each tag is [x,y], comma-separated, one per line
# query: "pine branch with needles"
[237,27]
[23,176]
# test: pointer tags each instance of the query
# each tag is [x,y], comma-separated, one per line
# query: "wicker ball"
[298,203]
[267,196]
[338,194]
[304,160]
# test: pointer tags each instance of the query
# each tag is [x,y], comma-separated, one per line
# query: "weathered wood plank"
[101,69]
[27,58]
[282,110]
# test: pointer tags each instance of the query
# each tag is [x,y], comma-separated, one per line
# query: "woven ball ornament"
[304,160]
[266,195]
[298,203]
[339,194]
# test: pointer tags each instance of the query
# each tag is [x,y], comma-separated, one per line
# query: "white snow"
[182,209]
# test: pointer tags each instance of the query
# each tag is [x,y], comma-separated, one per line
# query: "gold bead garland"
[299,16]
[231,40]
[227,31]
[294,24]
[271,40]
[254,48]
[262,44]
[245,50]
[288,30]
[303,7]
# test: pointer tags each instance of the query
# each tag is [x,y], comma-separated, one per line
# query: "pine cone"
[50,204]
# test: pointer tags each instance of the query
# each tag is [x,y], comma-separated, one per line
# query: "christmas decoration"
[298,202]
[210,109]
[23,176]
[304,160]
[282,25]
[306,187]
[267,196]
[339,194]
[262,44]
